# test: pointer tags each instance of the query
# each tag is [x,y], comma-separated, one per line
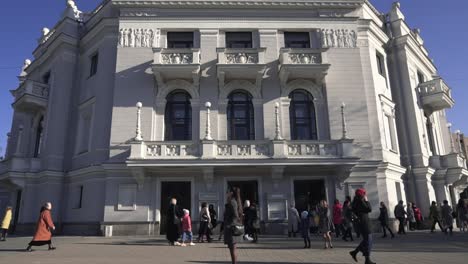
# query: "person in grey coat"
[293,221]
[232,217]
[411,217]
[447,217]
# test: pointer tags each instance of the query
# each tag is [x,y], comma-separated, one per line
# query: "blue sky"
[443,26]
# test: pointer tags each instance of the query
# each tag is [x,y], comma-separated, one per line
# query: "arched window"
[178,116]
[302,116]
[38,138]
[240,116]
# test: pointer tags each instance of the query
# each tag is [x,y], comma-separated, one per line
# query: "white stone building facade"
[293,101]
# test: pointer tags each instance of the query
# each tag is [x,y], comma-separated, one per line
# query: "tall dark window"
[46,78]
[240,116]
[297,40]
[94,65]
[239,40]
[421,78]
[430,135]
[380,64]
[178,116]
[38,138]
[302,116]
[180,40]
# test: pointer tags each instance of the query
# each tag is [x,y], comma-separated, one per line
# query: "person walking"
[214,218]
[418,216]
[305,228]
[6,223]
[325,224]
[247,221]
[347,221]
[173,222]
[400,214]
[362,208]
[434,215]
[447,218]
[205,220]
[44,226]
[252,223]
[411,217]
[354,219]
[232,221]
[462,215]
[383,218]
[338,218]
[293,221]
[187,228]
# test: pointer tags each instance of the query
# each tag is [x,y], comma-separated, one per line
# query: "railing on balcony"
[32,88]
[176,56]
[300,56]
[234,149]
[241,56]
[435,95]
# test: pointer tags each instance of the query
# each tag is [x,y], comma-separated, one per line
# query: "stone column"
[138,136]
[259,122]
[222,119]
[208,124]
[277,123]
[159,126]
[343,122]
[18,142]
[452,145]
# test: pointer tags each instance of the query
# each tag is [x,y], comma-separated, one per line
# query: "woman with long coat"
[173,223]
[362,208]
[383,219]
[293,221]
[232,218]
[347,221]
[447,217]
[411,216]
[325,223]
[6,223]
[43,235]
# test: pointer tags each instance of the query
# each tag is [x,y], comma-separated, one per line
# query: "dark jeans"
[204,230]
[348,233]
[401,225]
[4,233]
[366,245]
[434,222]
[385,228]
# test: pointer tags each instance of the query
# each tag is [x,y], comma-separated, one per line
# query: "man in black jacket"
[361,207]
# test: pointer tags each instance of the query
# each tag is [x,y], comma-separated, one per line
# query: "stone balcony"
[453,164]
[241,64]
[303,64]
[31,95]
[435,95]
[20,164]
[171,64]
[257,152]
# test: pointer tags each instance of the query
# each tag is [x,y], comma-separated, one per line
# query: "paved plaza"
[421,248]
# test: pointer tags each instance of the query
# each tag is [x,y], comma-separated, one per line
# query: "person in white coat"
[293,221]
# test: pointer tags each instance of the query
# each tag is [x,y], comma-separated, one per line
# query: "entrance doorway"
[180,190]
[308,193]
[248,190]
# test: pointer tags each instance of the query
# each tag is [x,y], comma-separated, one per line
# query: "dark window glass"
[178,116]
[380,64]
[430,135]
[240,116]
[421,78]
[302,116]
[80,197]
[180,40]
[94,64]
[297,40]
[46,78]
[38,138]
[238,40]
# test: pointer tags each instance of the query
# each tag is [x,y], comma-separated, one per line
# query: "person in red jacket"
[187,228]
[338,218]
[418,216]
[45,225]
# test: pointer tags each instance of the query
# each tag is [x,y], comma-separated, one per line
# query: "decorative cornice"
[242,3]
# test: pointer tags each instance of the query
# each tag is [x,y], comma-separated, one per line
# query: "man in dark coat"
[361,207]
[400,214]
[174,215]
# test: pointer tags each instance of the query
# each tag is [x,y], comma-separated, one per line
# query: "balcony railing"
[176,56]
[234,149]
[172,64]
[30,87]
[435,95]
[302,64]
[241,56]
[20,164]
[300,56]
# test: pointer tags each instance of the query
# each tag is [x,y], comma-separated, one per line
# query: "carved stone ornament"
[305,58]
[241,58]
[139,37]
[338,38]
[177,58]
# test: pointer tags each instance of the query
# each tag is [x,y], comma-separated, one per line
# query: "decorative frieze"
[177,58]
[338,38]
[305,58]
[138,37]
[241,58]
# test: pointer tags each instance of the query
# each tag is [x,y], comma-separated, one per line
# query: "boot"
[28,249]
[354,255]
[369,261]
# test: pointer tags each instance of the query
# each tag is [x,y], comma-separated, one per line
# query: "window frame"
[381,69]
[311,119]
[249,119]
[169,42]
[170,121]
[229,40]
[290,33]
[93,65]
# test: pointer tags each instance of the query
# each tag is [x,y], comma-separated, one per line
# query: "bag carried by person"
[237,230]
[256,224]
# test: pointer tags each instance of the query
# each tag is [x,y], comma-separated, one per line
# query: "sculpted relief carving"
[338,38]
[138,37]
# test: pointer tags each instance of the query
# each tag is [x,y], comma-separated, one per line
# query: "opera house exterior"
[293,101]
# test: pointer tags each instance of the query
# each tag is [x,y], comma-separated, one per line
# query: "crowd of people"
[243,223]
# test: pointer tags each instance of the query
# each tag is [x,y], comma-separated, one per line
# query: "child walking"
[305,228]
[187,228]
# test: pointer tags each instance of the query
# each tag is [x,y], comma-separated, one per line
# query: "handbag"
[237,230]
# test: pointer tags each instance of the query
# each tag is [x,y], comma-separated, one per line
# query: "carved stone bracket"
[139,176]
